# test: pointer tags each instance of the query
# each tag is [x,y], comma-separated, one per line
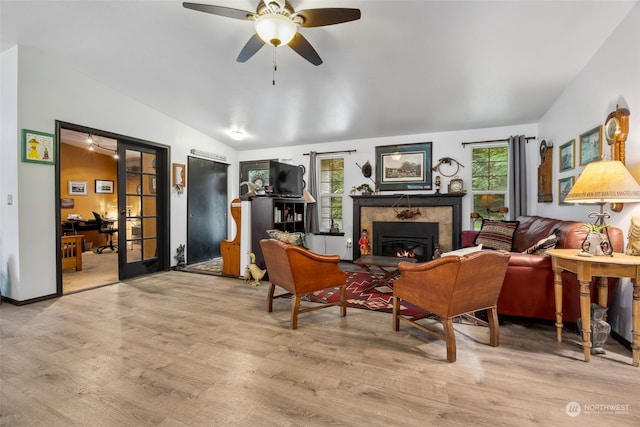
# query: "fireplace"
[442,209]
[409,239]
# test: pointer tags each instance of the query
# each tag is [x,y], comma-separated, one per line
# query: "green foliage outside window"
[490,172]
[332,190]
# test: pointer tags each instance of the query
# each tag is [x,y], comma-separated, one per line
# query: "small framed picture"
[152,184]
[567,155]
[591,146]
[564,186]
[77,188]
[179,179]
[104,186]
[38,147]
[66,203]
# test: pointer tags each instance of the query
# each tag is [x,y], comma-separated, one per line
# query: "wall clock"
[456,186]
[616,130]
[612,129]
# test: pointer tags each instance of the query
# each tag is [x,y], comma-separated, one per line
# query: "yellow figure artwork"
[33,149]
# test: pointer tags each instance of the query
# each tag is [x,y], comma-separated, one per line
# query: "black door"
[142,202]
[206,209]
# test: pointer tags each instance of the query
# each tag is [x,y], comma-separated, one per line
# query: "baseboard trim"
[622,340]
[29,301]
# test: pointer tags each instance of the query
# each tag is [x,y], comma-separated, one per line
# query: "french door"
[143,216]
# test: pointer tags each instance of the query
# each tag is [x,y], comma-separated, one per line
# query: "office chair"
[105,228]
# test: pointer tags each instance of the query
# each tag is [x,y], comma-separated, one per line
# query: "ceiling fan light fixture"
[237,135]
[275,29]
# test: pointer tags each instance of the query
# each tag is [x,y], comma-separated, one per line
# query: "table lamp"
[605,181]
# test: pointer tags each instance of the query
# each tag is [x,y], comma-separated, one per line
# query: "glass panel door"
[141,229]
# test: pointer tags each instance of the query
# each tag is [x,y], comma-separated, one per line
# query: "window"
[331,193]
[489,168]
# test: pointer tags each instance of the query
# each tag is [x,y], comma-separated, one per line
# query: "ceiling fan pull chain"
[275,67]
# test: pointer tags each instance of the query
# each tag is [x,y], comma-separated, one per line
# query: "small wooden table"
[587,267]
[381,268]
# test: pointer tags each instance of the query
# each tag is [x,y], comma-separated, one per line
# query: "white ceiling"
[406,67]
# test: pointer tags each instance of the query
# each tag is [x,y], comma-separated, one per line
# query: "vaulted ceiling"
[406,67]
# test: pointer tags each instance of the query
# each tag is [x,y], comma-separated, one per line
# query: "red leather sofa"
[527,290]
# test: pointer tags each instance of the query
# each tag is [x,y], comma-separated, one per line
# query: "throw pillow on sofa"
[496,235]
[297,238]
[542,245]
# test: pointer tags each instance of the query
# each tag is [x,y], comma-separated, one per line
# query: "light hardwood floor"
[182,349]
[97,270]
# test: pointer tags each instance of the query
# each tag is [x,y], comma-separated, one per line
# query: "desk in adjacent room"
[586,268]
[76,225]
[87,227]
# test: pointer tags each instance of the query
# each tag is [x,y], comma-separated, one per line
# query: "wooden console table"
[587,267]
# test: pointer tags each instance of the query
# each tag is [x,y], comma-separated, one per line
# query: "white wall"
[610,78]
[445,144]
[9,166]
[48,91]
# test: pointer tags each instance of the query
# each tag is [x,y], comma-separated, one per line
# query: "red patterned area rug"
[379,298]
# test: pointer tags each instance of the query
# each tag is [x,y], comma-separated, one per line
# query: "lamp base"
[604,243]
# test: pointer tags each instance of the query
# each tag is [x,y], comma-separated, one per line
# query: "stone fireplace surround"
[444,209]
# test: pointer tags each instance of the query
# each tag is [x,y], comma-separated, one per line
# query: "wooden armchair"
[452,286]
[300,272]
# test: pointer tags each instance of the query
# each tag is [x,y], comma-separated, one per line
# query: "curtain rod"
[332,152]
[494,140]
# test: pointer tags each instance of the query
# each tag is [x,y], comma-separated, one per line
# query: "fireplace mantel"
[414,201]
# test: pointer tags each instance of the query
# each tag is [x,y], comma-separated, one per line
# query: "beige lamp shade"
[307,196]
[606,181]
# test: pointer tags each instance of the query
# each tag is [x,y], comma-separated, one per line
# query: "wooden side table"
[587,267]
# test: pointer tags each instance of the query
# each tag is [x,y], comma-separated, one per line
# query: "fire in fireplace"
[407,239]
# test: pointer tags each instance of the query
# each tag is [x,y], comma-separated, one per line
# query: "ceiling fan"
[276,23]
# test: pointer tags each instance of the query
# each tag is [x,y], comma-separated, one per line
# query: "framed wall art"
[591,146]
[104,186]
[77,188]
[256,172]
[38,147]
[152,184]
[404,167]
[66,203]
[568,155]
[564,186]
[179,179]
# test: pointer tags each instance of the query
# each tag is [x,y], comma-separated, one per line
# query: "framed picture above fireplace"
[404,167]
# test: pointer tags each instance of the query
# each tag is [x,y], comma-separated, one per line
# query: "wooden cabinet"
[274,213]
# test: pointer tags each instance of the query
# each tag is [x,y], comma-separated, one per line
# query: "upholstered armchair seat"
[300,272]
[449,287]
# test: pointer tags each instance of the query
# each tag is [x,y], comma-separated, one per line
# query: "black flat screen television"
[285,179]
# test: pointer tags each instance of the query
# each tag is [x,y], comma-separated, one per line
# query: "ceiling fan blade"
[327,16]
[219,10]
[304,49]
[253,45]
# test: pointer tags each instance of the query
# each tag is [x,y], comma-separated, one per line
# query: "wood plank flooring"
[182,349]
